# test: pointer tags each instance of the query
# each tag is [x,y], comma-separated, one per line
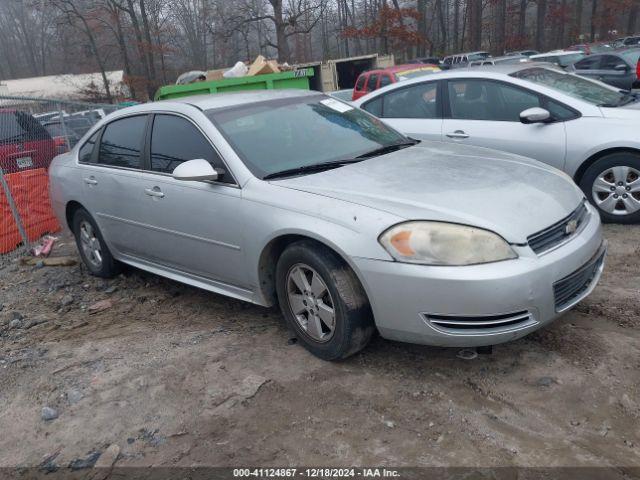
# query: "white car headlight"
[439,243]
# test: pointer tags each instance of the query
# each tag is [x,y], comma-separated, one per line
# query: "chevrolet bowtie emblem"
[571,227]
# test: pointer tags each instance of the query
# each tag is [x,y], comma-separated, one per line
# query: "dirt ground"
[176,376]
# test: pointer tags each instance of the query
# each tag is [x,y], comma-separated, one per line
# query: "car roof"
[556,54]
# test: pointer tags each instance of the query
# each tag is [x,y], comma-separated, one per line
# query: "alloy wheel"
[310,302]
[617,190]
[90,244]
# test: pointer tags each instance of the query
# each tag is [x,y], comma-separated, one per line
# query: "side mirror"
[198,169]
[621,67]
[535,115]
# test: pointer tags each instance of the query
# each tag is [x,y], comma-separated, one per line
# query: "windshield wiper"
[317,167]
[388,149]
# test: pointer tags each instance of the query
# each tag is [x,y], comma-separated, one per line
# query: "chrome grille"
[569,290]
[559,232]
[463,323]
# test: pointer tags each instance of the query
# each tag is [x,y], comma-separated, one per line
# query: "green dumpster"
[291,79]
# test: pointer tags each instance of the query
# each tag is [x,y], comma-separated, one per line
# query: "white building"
[64,87]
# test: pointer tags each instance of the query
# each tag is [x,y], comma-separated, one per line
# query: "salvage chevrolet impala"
[296,198]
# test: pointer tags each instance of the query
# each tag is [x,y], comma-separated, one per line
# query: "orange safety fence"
[30,192]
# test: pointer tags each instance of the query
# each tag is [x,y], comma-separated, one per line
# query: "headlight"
[439,243]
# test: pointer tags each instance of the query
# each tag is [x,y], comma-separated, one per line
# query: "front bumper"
[434,305]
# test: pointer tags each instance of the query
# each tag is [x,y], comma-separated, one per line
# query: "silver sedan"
[296,198]
[581,126]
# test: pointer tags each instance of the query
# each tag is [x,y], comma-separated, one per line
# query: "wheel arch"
[597,156]
[71,208]
[271,253]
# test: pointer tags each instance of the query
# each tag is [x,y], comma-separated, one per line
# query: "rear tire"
[93,250]
[612,185]
[314,286]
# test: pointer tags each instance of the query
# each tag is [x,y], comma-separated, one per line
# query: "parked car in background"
[560,58]
[524,53]
[583,127]
[619,68]
[462,60]
[24,142]
[506,60]
[627,41]
[297,199]
[590,48]
[63,137]
[373,79]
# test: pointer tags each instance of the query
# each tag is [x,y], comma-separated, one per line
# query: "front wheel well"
[269,259]
[597,156]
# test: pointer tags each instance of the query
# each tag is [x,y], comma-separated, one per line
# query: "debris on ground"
[467,354]
[49,414]
[49,261]
[100,306]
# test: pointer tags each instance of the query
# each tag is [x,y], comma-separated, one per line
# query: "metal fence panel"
[32,132]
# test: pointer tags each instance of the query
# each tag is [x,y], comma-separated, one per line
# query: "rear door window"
[167,154]
[122,142]
[360,83]
[86,151]
[417,101]
[385,80]
[476,99]
[590,63]
[610,62]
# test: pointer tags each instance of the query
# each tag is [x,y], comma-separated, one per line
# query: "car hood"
[508,194]
[631,111]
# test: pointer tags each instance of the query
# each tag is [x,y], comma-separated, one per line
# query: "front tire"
[322,301]
[612,185]
[93,250]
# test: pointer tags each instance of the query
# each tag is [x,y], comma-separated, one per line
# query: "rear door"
[414,110]
[589,67]
[111,181]
[616,71]
[486,113]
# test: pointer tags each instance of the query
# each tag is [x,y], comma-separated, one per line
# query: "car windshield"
[55,130]
[10,129]
[572,85]
[301,132]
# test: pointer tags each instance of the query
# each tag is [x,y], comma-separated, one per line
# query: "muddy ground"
[175,376]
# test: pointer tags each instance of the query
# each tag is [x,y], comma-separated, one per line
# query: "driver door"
[486,113]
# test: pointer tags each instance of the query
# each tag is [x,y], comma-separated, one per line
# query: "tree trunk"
[594,10]
[148,48]
[500,25]
[577,22]
[422,27]
[282,44]
[522,22]
[632,19]
[475,24]
[540,24]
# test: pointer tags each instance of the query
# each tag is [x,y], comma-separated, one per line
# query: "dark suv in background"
[619,68]
[24,142]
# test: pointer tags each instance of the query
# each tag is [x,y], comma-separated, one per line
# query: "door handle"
[458,134]
[154,192]
[90,181]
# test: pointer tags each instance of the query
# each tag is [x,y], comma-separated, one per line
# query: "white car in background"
[588,129]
